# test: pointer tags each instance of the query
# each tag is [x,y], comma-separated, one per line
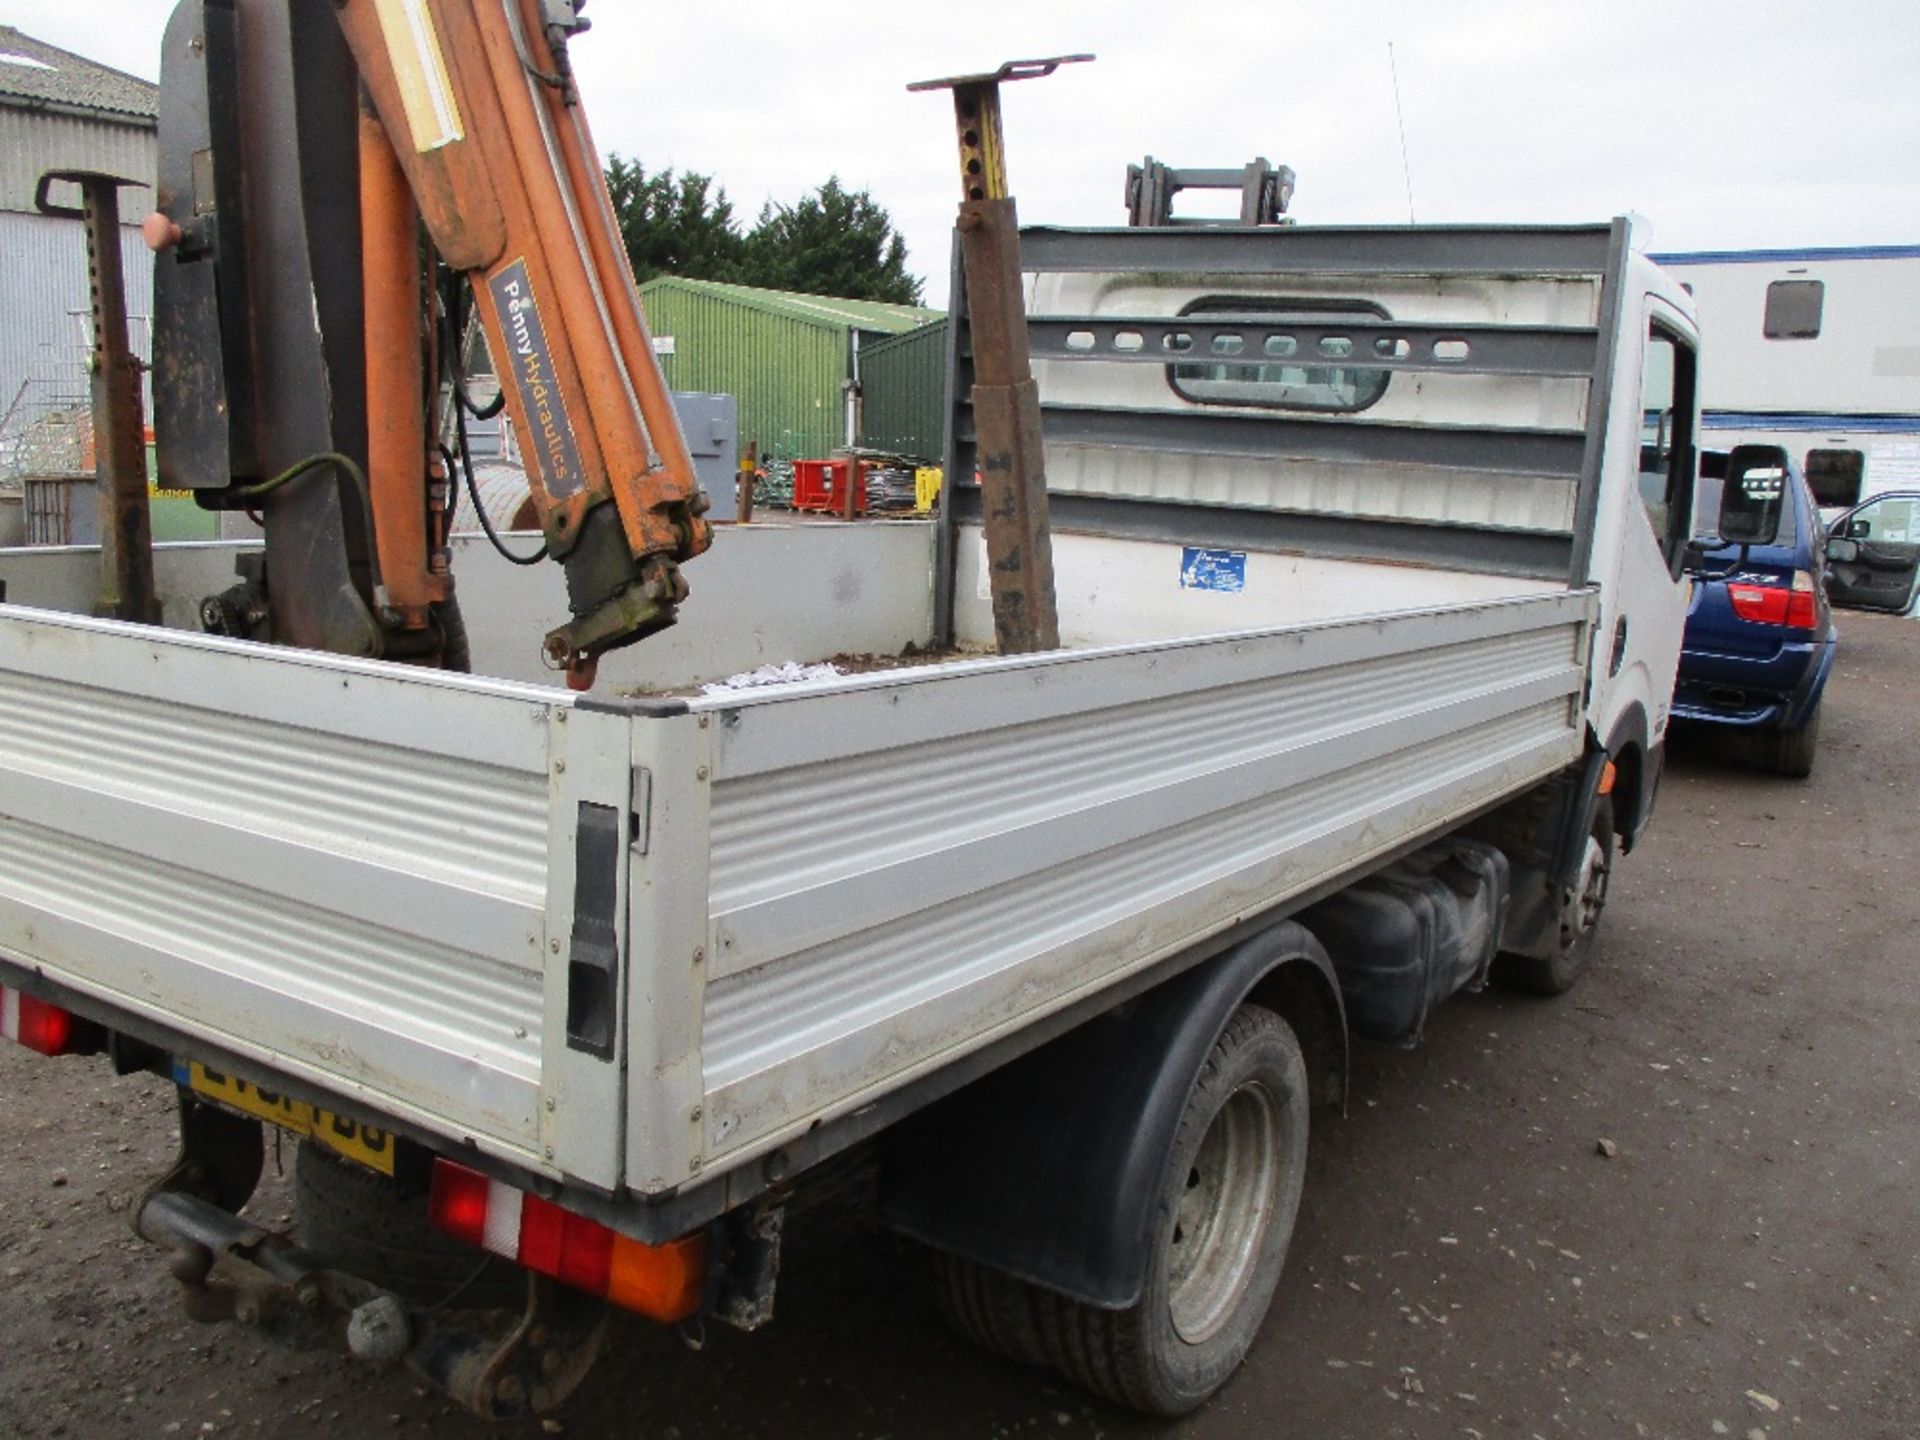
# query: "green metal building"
[784,357]
[904,381]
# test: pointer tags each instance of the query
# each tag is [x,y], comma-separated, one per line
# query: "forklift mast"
[321,163]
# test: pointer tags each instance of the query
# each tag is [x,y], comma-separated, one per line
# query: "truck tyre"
[990,1307]
[1790,752]
[1224,1215]
[367,1226]
[1580,910]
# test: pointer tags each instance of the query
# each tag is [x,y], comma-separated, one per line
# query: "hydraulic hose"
[348,467]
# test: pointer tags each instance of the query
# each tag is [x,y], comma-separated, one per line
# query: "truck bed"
[363,878]
[635,943]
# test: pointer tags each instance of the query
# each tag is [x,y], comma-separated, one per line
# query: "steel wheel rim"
[1589,897]
[1222,1214]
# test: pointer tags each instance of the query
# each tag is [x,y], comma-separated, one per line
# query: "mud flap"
[1047,1168]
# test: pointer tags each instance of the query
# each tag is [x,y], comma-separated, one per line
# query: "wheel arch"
[1636,778]
[1048,1168]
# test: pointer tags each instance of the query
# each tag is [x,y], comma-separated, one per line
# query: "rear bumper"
[1747,693]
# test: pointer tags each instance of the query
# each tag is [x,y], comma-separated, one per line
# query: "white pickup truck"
[1367,544]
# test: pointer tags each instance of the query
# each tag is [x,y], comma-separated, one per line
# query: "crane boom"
[480,101]
[469,130]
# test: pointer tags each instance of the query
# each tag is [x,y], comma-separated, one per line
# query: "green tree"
[835,242]
[674,224]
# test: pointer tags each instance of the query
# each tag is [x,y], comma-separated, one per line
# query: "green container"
[784,357]
[904,381]
[176,516]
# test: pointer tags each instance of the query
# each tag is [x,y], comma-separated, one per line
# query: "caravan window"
[1835,476]
[1793,309]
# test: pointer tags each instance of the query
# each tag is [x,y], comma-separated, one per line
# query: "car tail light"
[1802,612]
[663,1282]
[1793,606]
[36,1024]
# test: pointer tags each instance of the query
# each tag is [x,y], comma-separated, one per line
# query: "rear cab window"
[1268,366]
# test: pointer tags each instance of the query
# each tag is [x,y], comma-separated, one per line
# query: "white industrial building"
[1816,350]
[60,111]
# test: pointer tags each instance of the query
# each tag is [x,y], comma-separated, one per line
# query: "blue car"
[1760,639]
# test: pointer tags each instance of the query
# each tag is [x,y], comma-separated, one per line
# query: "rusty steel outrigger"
[1006,400]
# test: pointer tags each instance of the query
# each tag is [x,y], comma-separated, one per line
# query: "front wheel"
[1580,907]
[1224,1213]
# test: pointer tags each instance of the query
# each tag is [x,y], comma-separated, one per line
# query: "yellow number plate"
[360,1143]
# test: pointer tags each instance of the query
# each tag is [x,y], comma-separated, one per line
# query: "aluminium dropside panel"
[907,867]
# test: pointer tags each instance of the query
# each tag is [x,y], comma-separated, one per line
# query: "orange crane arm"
[478,100]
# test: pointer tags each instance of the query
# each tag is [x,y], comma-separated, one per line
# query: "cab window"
[1667,441]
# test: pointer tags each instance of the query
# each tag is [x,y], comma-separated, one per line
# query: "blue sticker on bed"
[1203,569]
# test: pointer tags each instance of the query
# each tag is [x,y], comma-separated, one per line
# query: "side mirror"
[1755,494]
[1842,550]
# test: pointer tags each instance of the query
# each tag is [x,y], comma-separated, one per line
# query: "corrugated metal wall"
[33,142]
[43,275]
[904,381]
[787,374]
[43,294]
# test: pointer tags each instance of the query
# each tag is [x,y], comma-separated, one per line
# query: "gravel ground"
[1468,1264]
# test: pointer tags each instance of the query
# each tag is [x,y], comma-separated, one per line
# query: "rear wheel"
[1790,752]
[991,1308]
[1225,1211]
[1580,907]
[371,1227]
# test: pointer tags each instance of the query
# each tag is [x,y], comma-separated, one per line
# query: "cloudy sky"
[1725,123]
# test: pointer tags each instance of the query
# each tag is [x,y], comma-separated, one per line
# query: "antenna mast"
[1406,170]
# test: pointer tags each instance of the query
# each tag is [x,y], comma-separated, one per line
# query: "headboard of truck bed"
[1430,396]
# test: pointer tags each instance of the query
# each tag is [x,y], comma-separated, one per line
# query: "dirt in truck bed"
[1469,1263]
[846,663]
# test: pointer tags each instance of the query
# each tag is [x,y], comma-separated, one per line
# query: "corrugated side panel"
[330,868]
[44,295]
[1061,822]
[786,373]
[904,381]
[33,142]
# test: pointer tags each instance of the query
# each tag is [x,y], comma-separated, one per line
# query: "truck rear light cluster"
[1792,606]
[36,1024]
[663,1282]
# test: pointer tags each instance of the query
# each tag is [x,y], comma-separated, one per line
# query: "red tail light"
[35,1024]
[660,1281]
[1802,612]
[1792,606]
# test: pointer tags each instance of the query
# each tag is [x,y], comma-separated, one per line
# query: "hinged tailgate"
[339,870]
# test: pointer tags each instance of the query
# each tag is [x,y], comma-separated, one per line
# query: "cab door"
[1647,614]
[1874,554]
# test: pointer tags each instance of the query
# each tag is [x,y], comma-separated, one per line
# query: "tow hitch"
[498,1364]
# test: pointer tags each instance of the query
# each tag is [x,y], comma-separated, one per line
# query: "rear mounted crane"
[335,177]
